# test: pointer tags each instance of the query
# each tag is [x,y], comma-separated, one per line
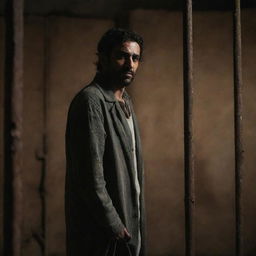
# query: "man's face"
[123,62]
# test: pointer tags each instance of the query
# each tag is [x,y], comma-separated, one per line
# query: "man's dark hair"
[117,36]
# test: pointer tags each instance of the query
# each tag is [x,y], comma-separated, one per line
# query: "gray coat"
[100,195]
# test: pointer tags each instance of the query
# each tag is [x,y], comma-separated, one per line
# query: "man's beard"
[124,77]
[119,78]
[127,81]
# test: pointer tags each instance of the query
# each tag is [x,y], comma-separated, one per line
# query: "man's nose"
[129,62]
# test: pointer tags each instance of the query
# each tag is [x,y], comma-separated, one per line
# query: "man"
[104,182]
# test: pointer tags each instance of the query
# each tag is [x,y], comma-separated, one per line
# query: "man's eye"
[120,56]
[135,58]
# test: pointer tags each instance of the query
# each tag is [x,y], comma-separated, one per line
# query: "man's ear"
[103,61]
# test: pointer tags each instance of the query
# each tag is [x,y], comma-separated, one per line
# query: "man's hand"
[124,234]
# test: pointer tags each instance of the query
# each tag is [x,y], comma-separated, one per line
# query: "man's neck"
[117,90]
[119,94]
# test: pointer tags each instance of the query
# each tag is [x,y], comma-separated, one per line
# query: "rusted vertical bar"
[239,151]
[13,126]
[188,127]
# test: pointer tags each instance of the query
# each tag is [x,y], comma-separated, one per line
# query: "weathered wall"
[59,57]
[215,220]
[249,78]
[33,132]
[157,94]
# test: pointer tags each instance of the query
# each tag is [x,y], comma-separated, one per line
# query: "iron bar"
[188,127]
[239,151]
[13,126]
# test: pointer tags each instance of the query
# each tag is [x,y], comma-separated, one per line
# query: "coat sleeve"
[87,139]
